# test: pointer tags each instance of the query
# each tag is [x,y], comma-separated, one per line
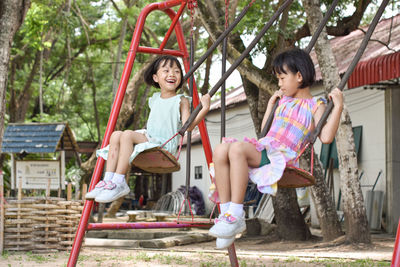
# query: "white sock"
[108,176]
[224,207]
[118,178]
[236,209]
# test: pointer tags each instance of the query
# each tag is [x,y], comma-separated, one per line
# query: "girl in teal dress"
[168,111]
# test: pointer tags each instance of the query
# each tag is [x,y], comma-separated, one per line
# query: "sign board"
[35,174]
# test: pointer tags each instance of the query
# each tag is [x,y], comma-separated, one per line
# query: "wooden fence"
[40,224]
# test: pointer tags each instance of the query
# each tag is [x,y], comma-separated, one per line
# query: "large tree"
[357,230]
[12,14]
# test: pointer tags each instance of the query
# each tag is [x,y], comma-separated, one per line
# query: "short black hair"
[153,68]
[295,60]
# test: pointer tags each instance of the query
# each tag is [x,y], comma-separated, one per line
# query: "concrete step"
[148,239]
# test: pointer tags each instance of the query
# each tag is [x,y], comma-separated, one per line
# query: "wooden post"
[62,169]
[84,191]
[69,191]
[48,188]
[19,209]
[77,189]
[46,229]
[13,176]
[2,202]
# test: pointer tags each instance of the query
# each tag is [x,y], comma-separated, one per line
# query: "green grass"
[142,256]
[292,259]
[5,254]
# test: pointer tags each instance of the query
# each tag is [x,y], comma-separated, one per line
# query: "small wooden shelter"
[24,138]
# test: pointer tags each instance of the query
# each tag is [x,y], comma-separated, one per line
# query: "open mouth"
[171,81]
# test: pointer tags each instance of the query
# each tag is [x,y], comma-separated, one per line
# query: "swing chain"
[192,4]
[251,3]
[226,14]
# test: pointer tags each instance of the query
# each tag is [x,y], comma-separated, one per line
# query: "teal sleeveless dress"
[164,121]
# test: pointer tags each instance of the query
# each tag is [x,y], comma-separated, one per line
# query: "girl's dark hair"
[295,60]
[161,62]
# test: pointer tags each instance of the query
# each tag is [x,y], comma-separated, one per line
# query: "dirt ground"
[251,251]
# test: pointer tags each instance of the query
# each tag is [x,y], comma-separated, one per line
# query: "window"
[198,172]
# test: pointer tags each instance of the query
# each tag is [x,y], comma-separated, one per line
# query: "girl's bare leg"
[221,163]
[113,151]
[241,156]
[127,140]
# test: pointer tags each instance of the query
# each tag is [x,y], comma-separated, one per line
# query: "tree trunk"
[289,221]
[356,222]
[357,230]
[114,207]
[19,107]
[206,84]
[326,212]
[12,14]
[128,108]
[116,72]
[139,110]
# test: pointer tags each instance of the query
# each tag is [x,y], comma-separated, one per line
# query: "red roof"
[378,69]
[234,96]
[384,41]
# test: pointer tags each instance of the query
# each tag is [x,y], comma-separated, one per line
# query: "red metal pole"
[172,27]
[396,251]
[134,48]
[87,208]
[152,50]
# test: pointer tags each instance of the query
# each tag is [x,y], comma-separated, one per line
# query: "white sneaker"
[224,242]
[228,226]
[96,190]
[112,191]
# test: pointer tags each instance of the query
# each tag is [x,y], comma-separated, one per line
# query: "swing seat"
[294,177]
[156,160]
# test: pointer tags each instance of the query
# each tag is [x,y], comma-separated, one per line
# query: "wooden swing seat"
[156,160]
[294,177]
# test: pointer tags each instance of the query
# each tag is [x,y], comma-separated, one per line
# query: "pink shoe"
[96,190]
[228,226]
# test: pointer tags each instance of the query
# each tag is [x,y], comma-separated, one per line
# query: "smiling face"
[289,82]
[168,76]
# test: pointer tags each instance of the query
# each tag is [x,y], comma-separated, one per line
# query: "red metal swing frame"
[135,48]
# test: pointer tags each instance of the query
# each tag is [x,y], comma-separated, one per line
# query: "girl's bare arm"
[271,102]
[185,110]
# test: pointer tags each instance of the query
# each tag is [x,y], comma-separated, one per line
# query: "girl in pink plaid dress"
[264,160]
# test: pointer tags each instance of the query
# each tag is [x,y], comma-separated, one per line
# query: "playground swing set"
[158,160]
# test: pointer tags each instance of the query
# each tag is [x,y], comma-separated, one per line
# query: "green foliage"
[73,175]
[68,89]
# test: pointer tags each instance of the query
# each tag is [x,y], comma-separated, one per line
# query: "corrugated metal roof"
[38,138]
[378,69]
[234,96]
[383,41]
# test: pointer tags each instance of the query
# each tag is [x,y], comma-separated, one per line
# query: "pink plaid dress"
[289,133]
